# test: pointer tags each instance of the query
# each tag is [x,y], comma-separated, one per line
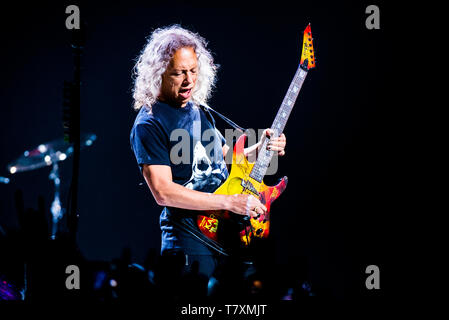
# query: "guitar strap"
[205,107]
[186,227]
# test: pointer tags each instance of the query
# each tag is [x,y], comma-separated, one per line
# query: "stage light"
[13,170]
[62,157]
[113,283]
[4,180]
[42,148]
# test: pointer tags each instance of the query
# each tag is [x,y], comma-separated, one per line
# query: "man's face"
[180,77]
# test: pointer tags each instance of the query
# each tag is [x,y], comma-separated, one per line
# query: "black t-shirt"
[186,140]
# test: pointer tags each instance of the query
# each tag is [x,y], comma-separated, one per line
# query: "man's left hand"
[275,144]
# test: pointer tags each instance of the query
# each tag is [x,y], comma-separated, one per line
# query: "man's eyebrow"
[177,70]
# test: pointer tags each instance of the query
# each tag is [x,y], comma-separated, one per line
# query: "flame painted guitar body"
[239,182]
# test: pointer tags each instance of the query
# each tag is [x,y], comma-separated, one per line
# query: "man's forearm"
[175,195]
[170,194]
[251,152]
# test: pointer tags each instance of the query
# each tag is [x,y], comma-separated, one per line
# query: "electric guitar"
[246,177]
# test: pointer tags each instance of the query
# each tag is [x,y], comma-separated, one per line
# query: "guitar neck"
[263,160]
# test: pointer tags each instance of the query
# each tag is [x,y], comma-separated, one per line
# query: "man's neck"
[172,103]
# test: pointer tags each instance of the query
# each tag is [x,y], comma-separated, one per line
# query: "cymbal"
[47,154]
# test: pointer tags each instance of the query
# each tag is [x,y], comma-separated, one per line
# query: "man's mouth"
[185,93]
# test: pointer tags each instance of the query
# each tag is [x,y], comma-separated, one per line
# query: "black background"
[337,212]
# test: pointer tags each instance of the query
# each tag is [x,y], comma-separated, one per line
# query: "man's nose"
[189,78]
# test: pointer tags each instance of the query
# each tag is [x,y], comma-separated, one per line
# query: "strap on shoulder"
[206,109]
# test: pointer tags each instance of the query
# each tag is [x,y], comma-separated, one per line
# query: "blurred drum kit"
[44,155]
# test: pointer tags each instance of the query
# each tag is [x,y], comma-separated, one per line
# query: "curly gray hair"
[155,57]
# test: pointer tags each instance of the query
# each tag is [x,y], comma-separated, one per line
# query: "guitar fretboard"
[263,160]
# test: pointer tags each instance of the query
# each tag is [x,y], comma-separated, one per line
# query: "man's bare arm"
[168,193]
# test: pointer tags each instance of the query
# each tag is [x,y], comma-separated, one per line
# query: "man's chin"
[183,102]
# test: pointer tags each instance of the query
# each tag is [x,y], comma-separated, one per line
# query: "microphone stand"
[77,44]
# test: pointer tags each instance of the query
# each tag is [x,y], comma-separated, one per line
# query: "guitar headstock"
[308,55]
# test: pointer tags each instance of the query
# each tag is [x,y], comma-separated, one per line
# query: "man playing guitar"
[174,76]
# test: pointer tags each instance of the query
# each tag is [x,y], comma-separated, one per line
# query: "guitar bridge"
[249,186]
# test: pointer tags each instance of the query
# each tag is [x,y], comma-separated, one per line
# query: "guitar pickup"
[249,186]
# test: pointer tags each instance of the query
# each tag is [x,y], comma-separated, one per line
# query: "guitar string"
[261,165]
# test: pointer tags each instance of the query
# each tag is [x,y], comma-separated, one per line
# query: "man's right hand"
[246,205]
[170,194]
